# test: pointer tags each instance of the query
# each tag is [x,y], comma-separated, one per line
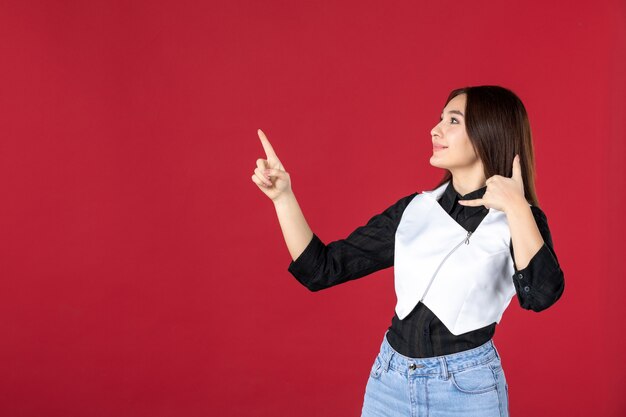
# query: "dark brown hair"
[498,128]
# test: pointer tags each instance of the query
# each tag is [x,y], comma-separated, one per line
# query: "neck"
[465,185]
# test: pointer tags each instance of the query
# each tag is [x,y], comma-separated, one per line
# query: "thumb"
[277,173]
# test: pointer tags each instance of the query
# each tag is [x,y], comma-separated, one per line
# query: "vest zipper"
[466,241]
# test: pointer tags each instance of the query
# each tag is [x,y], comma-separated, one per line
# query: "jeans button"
[412,366]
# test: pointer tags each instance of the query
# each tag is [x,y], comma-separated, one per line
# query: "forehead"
[457,103]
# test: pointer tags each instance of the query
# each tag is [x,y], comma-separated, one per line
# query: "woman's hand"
[270,175]
[502,193]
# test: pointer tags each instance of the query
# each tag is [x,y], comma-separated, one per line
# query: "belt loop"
[387,360]
[494,348]
[444,367]
[386,352]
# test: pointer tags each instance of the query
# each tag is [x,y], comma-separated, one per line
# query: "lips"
[439,147]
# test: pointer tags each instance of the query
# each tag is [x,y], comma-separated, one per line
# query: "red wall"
[142,273]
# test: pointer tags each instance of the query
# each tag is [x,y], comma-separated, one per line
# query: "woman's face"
[457,153]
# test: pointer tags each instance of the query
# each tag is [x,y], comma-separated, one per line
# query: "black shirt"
[371,247]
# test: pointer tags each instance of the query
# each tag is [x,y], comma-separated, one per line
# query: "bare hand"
[502,192]
[270,175]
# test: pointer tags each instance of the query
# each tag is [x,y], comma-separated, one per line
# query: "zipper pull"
[467,238]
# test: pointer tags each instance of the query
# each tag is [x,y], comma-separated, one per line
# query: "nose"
[435,131]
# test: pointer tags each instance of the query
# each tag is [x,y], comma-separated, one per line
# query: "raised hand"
[502,192]
[270,175]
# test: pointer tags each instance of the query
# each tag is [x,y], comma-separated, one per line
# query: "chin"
[436,164]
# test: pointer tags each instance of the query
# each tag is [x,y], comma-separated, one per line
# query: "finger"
[258,182]
[269,151]
[262,164]
[472,203]
[259,173]
[276,173]
[517,169]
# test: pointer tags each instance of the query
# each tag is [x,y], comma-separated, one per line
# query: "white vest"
[466,279]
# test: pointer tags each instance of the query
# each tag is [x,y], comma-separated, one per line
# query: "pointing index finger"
[269,151]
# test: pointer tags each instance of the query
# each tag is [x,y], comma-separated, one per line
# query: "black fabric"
[370,248]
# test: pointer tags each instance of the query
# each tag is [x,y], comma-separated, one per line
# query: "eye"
[451,119]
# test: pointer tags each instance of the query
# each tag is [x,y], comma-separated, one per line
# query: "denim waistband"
[436,365]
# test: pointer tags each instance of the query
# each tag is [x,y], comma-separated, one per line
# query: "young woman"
[460,253]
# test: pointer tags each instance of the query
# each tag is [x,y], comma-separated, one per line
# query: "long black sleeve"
[367,249]
[541,283]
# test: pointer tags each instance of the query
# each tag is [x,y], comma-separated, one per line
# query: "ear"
[517,170]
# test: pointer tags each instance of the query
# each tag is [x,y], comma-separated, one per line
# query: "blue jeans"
[468,383]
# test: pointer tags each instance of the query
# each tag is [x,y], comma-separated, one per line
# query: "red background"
[144,274]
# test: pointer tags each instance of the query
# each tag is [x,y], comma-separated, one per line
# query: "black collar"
[450,197]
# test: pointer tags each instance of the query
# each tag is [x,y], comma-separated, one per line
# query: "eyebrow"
[456,112]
